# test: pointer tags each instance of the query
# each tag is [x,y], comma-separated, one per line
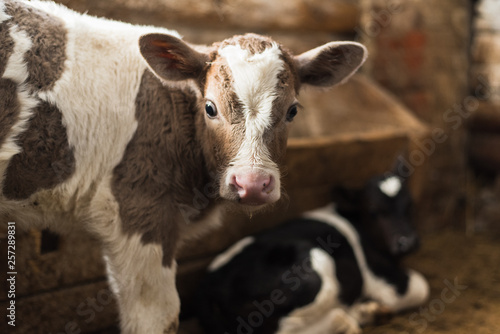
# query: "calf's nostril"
[268,186]
[235,183]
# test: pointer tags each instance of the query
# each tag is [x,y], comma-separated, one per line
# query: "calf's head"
[382,212]
[247,89]
[388,214]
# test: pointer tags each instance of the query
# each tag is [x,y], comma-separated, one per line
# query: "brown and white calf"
[142,138]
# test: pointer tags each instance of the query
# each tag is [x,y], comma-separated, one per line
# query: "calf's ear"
[171,58]
[331,63]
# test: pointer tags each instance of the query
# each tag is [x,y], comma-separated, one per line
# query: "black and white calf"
[143,139]
[323,273]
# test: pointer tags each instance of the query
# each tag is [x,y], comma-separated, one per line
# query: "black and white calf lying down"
[326,272]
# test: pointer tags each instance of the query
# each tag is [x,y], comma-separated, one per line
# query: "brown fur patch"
[290,76]
[46,158]
[46,58]
[163,170]
[224,139]
[7,44]
[287,88]
[9,107]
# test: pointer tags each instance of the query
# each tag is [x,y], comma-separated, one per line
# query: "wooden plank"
[352,132]
[86,308]
[76,259]
[359,106]
[251,15]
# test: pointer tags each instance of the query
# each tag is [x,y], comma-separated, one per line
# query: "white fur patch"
[3,15]
[224,258]
[307,317]
[255,78]
[16,70]
[489,11]
[324,266]
[373,287]
[390,186]
[145,289]
[333,321]
[416,294]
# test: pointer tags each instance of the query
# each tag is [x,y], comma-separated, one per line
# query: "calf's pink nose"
[253,188]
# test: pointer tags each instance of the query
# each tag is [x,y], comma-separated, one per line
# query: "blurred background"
[428,96]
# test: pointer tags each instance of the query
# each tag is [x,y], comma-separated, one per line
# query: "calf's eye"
[211,109]
[292,112]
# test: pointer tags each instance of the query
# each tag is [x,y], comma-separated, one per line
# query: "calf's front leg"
[145,289]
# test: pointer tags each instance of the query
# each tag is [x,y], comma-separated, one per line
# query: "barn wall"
[420,51]
[298,24]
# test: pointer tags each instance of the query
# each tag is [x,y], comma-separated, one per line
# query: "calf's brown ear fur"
[171,58]
[331,63]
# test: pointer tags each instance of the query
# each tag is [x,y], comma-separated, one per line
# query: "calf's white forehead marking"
[229,254]
[390,186]
[255,78]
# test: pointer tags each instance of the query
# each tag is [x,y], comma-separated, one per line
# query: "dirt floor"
[469,264]
[464,275]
